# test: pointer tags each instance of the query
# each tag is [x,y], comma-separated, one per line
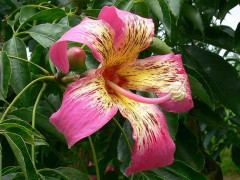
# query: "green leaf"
[69,21]
[124,154]
[48,15]
[220,75]
[175,7]
[194,16]
[5,74]
[37,57]
[202,83]
[47,34]
[198,91]
[237,39]
[172,123]
[220,36]
[11,169]
[180,168]
[125,5]
[20,70]
[159,47]
[72,174]
[187,149]
[91,12]
[65,173]
[225,7]
[26,13]
[204,114]
[41,121]
[141,9]
[168,175]
[99,4]
[19,130]
[161,9]
[14,21]
[148,176]
[91,62]
[21,153]
[24,125]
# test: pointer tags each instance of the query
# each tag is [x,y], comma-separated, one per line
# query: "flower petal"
[96,34]
[156,74]
[153,145]
[86,107]
[132,33]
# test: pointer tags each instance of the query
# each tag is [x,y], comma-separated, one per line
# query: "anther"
[177,91]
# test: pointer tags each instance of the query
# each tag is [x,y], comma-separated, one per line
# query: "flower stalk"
[24,89]
[94,157]
[25,60]
[34,118]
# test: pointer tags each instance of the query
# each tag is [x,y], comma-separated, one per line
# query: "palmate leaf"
[21,153]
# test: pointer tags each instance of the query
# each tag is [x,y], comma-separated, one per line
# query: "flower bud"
[76,57]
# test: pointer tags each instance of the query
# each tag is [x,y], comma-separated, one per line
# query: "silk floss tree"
[116,39]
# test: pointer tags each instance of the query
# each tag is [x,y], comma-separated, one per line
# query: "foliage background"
[187,27]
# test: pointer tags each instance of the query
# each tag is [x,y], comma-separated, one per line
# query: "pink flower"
[116,39]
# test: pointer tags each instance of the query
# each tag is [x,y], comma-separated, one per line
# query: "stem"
[34,118]
[23,90]
[25,60]
[21,33]
[94,157]
[124,134]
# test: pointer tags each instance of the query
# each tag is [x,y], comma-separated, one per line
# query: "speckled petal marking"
[96,34]
[86,107]
[133,34]
[157,74]
[153,74]
[153,145]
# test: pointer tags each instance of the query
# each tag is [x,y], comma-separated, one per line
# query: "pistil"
[137,97]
